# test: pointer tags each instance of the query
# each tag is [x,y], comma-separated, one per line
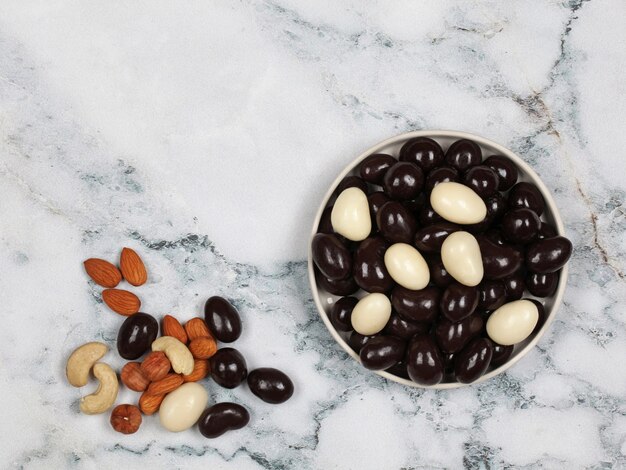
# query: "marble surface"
[203,134]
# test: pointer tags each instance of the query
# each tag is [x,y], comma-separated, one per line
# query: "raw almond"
[133,378]
[166,385]
[202,348]
[172,327]
[149,404]
[200,371]
[132,267]
[156,366]
[121,301]
[102,272]
[196,328]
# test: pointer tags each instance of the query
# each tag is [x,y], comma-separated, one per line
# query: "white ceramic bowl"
[324,300]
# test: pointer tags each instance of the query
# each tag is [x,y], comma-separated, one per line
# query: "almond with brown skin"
[121,301]
[133,377]
[102,272]
[172,327]
[133,269]
[166,385]
[150,404]
[156,366]
[196,328]
[200,370]
[202,348]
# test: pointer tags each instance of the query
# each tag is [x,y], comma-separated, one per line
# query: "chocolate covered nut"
[222,417]
[463,154]
[382,352]
[548,254]
[223,319]
[443,174]
[501,354]
[542,284]
[331,256]
[341,313]
[473,360]
[351,182]
[526,195]
[461,256]
[350,215]
[491,294]
[429,239]
[452,337]
[458,301]
[513,322]
[369,268]
[506,170]
[416,305]
[424,361]
[371,314]
[457,203]
[520,226]
[482,180]
[374,167]
[407,266]
[498,261]
[401,328]
[228,367]
[136,335]
[396,223]
[422,151]
[403,181]
[270,385]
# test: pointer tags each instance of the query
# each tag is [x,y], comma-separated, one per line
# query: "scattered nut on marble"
[126,419]
[81,362]
[182,408]
[178,354]
[132,267]
[104,397]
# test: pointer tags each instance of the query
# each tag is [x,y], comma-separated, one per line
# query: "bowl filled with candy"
[438,259]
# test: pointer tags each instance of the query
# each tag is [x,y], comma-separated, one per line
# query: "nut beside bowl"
[324,301]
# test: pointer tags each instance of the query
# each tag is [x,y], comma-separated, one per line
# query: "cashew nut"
[82,360]
[104,397]
[178,354]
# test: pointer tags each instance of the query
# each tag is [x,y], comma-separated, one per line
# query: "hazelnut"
[126,419]
[156,366]
[133,377]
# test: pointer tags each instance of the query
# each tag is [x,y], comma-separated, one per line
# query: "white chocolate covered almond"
[457,203]
[513,322]
[407,266]
[350,216]
[461,257]
[182,408]
[371,314]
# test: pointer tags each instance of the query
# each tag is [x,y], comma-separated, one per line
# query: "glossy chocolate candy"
[506,170]
[325,225]
[399,370]
[452,337]
[546,231]
[342,287]
[428,216]
[351,182]
[541,315]
[473,361]
[424,152]
[526,195]
[356,340]
[374,167]
[376,200]
[520,226]
[341,312]
[482,179]
[542,284]
[458,301]
[222,417]
[396,223]
[514,286]
[463,154]
[398,326]
[331,256]
[228,367]
[424,361]
[501,354]
[438,274]
[499,261]
[443,174]
[382,352]
[548,255]
[491,294]
[136,335]
[369,269]
[403,181]
[419,306]
[270,385]
[222,319]
[429,239]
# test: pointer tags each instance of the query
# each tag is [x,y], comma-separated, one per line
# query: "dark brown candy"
[325,225]
[376,200]
[341,313]
[398,326]
[520,226]
[399,370]
[541,315]
[374,167]
[501,354]
[443,174]
[491,294]
[548,255]
[396,223]
[424,152]
[428,216]
[473,361]
[495,236]
[356,340]
[499,261]
[463,154]
[351,182]
[222,319]
[429,239]
[438,273]
[403,181]
[542,284]
[222,417]
[458,301]
[506,170]
[452,337]
[228,367]
[342,287]
[482,179]
[382,352]
[419,306]
[496,206]
[546,231]
[331,256]
[514,286]
[369,269]
[136,335]
[526,195]
[448,362]
[424,361]
[270,385]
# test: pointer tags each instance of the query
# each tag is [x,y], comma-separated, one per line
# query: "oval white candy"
[350,216]
[407,266]
[461,257]
[457,203]
[371,314]
[182,408]
[513,322]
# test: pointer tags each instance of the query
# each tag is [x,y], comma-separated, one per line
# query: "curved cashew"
[104,397]
[82,360]
[176,352]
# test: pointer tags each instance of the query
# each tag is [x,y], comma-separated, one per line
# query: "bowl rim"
[530,173]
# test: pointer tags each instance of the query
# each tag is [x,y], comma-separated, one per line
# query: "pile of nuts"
[168,375]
